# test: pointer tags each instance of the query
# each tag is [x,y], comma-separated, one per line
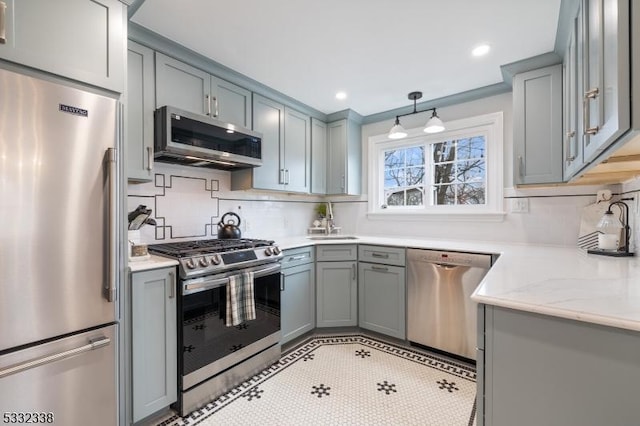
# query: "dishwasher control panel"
[455,258]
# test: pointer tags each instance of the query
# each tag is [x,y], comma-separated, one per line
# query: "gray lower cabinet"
[140,105]
[540,370]
[336,285]
[537,126]
[382,290]
[182,86]
[153,341]
[84,40]
[298,297]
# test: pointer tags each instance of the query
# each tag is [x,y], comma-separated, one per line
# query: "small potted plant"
[321,210]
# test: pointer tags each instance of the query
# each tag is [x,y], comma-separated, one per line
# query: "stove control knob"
[268,251]
[215,259]
[276,250]
[190,264]
[203,262]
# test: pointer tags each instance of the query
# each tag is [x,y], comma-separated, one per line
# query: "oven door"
[207,346]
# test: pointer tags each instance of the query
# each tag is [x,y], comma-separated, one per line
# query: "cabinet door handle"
[379,268]
[172,285]
[380,255]
[281,179]
[521,167]
[149,158]
[3,36]
[299,257]
[208,101]
[215,107]
[586,111]
[592,94]
[286,176]
[569,156]
[281,282]
[353,270]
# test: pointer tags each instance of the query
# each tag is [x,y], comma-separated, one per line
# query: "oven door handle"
[204,285]
[190,287]
[257,272]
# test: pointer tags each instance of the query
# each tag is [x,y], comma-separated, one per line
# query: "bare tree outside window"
[459,171]
[404,174]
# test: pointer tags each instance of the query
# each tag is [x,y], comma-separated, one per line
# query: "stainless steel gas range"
[214,356]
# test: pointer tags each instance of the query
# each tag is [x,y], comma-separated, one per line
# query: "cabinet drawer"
[382,254]
[298,256]
[336,252]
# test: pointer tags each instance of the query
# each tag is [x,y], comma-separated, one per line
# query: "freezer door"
[71,381]
[54,186]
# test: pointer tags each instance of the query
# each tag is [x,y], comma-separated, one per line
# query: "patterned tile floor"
[348,380]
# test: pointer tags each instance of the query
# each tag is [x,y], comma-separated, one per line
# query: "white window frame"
[488,125]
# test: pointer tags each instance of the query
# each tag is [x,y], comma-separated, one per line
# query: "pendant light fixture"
[434,125]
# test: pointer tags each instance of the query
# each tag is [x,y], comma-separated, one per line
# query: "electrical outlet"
[519,205]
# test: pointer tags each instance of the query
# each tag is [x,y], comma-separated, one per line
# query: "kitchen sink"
[332,237]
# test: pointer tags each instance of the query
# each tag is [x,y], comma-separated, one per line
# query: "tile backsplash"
[188,203]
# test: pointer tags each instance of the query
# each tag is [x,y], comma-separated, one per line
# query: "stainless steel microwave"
[182,137]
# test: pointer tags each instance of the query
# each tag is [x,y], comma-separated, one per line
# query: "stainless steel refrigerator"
[58,268]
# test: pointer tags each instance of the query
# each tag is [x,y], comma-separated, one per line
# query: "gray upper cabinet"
[154,341]
[344,158]
[537,126]
[230,103]
[140,104]
[572,105]
[84,40]
[318,157]
[606,74]
[286,149]
[268,119]
[296,156]
[182,86]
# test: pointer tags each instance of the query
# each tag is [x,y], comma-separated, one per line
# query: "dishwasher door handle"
[445,266]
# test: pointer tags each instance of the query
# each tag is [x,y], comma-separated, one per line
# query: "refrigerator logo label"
[73,110]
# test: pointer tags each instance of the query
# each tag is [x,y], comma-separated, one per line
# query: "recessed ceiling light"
[341,95]
[481,50]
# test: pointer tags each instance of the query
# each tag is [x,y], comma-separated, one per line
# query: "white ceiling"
[375,50]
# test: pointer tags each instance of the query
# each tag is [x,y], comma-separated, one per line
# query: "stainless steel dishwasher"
[440,312]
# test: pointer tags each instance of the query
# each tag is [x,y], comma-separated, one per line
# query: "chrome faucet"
[330,223]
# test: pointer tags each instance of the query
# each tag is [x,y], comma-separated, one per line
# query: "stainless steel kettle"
[230,229]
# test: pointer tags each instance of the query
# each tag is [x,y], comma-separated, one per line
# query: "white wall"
[631,189]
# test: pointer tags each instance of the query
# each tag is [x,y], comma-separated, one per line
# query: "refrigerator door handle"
[113,230]
[93,344]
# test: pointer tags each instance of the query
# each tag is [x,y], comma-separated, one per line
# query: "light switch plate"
[519,205]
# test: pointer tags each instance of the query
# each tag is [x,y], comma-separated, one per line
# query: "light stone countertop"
[558,281]
[154,262]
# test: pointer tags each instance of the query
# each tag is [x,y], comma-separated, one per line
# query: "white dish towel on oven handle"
[241,304]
